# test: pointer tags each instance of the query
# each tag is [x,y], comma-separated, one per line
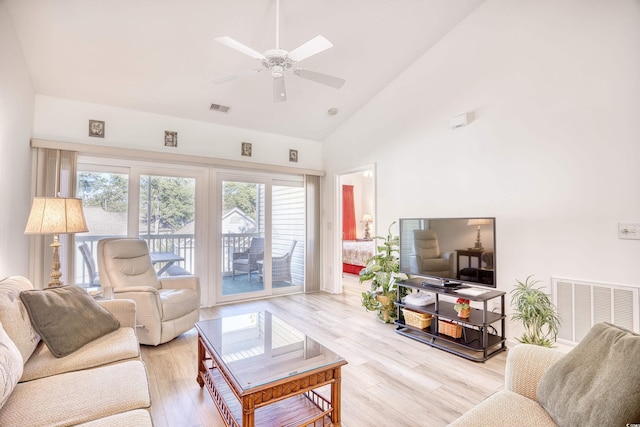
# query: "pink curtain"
[348,213]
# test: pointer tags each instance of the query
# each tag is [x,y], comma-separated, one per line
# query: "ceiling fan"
[278,61]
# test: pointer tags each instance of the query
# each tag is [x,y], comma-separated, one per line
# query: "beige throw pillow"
[14,316]
[10,366]
[597,383]
[67,318]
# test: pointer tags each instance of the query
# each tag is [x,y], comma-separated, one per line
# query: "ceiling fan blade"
[279,91]
[233,44]
[321,78]
[310,48]
[241,75]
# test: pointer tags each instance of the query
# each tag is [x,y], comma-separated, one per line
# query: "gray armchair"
[247,261]
[428,259]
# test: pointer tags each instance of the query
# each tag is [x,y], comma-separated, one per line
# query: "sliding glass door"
[242,233]
[262,229]
[242,221]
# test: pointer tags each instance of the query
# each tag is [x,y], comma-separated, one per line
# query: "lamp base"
[55,264]
[478,245]
[367,231]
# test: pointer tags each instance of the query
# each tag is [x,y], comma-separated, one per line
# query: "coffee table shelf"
[309,406]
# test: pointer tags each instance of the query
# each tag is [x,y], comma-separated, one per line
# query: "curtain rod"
[136,154]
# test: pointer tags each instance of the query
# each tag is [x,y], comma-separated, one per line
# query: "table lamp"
[367,230]
[56,215]
[478,222]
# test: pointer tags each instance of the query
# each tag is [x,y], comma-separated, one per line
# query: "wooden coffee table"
[261,371]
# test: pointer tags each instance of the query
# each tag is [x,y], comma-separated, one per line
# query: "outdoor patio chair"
[281,266]
[247,261]
[90,263]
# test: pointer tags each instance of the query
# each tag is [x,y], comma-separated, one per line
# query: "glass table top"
[259,348]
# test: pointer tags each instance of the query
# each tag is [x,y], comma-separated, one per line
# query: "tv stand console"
[483,333]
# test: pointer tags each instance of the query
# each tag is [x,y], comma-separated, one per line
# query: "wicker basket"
[415,319]
[450,329]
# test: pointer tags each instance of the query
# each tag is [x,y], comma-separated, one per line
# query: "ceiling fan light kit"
[278,61]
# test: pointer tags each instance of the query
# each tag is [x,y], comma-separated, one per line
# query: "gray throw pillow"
[67,318]
[596,383]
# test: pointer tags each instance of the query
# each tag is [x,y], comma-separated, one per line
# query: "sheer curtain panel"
[54,173]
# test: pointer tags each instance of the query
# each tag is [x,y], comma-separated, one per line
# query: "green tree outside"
[242,195]
[105,190]
[166,203]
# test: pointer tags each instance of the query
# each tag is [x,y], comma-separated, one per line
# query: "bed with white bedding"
[355,254]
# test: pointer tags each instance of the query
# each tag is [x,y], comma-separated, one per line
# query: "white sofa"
[594,384]
[104,383]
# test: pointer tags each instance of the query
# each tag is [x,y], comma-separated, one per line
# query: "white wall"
[68,120]
[16,117]
[552,152]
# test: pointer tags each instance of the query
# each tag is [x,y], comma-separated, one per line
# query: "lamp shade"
[479,221]
[367,218]
[56,215]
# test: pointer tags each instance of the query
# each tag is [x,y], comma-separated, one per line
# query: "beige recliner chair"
[165,307]
[428,259]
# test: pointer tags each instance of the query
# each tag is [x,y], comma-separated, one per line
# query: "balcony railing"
[179,244]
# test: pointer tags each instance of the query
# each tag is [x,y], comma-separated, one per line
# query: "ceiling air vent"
[220,108]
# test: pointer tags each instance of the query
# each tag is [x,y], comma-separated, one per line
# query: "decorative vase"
[387,306]
[464,313]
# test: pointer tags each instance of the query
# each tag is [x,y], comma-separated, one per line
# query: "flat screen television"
[449,251]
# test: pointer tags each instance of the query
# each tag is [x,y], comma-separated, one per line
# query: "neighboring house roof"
[236,221]
[103,223]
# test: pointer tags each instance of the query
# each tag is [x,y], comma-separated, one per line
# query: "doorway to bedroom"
[357,220]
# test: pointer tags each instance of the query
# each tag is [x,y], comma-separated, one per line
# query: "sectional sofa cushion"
[67,318]
[10,366]
[137,418]
[14,316]
[79,397]
[114,347]
[596,383]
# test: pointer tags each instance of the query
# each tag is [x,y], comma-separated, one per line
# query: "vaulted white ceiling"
[160,56]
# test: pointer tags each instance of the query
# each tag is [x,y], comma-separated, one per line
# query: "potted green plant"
[537,313]
[463,308]
[383,270]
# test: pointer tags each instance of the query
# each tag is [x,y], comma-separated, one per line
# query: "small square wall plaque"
[246,149]
[170,138]
[96,128]
[293,156]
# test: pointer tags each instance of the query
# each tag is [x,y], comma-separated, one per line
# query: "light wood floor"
[390,380]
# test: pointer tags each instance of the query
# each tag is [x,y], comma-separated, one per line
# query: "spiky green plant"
[383,269]
[537,313]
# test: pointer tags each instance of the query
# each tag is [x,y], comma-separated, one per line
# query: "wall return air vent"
[582,304]
[220,108]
